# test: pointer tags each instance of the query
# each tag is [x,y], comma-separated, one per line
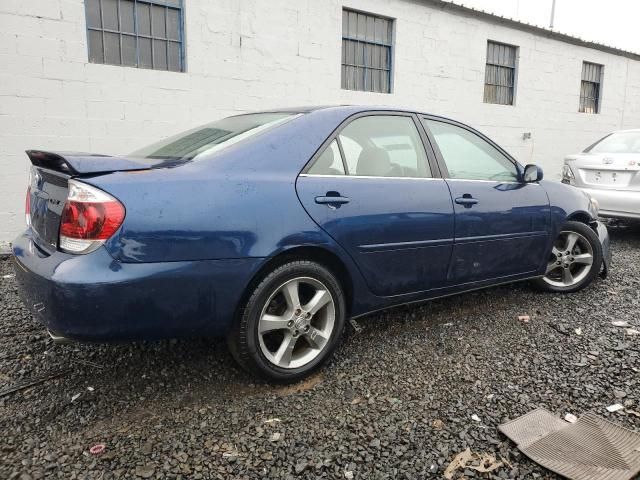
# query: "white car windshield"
[620,142]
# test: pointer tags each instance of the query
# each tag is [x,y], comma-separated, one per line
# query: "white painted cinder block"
[253,55]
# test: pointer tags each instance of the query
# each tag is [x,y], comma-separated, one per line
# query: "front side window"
[500,73]
[590,88]
[469,157]
[136,33]
[201,142]
[620,142]
[384,146]
[366,52]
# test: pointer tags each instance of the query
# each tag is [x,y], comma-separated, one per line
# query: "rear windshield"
[202,141]
[621,142]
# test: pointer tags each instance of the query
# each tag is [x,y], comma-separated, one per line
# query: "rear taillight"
[90,216]
[27,207]
[567,175]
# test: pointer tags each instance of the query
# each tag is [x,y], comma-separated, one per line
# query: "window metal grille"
[367,42]
[500,73]
[136,33]
[590,88]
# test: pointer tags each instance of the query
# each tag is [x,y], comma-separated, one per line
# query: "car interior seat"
[374,162]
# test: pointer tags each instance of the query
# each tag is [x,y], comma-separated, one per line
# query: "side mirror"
[532,174]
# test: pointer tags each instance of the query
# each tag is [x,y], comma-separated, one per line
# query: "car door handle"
[332,199]
[467,200]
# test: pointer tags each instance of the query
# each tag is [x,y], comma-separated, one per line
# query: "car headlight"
[567,175]
[594,207]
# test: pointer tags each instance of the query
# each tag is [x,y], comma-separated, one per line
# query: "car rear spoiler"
[76,163]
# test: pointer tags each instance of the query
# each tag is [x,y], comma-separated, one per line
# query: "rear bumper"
[616,203]
[95,298]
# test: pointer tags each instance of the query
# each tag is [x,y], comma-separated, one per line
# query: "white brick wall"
[259,54]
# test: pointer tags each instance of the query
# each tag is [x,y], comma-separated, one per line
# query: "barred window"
[136,33]
[590,88]
[366,52]
[500,73]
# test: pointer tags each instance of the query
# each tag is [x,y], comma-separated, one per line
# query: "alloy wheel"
[570,261]
[296,322]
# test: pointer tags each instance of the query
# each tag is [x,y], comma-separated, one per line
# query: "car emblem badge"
[607,161]
[299,321]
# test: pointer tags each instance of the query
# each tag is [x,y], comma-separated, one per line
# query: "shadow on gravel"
[625,230]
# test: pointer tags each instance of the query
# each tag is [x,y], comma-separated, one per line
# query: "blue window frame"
[136,33]
[367,44]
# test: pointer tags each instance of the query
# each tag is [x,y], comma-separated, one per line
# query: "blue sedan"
[274,228]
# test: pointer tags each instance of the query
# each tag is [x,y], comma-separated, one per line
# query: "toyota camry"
[609,171]
[273,229]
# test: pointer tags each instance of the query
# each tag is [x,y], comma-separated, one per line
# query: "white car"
[609,171]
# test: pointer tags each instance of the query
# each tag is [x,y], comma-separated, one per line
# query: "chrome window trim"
[368,176]
[418,178]
[486,181]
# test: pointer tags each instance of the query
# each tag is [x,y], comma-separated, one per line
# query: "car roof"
[630,130]
[349,109]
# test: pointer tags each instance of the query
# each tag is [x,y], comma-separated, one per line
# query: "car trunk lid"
[607,171]
[47,195]
[48,185]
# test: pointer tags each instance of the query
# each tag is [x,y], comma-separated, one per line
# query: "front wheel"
[575,260]
[291,323]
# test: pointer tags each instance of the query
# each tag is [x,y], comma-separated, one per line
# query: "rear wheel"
[291,323]
[575,260]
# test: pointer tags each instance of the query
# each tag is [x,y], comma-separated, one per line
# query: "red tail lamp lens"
[90,216]
[91,220]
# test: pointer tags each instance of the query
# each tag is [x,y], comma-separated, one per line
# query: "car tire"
[567,270]
[271,321]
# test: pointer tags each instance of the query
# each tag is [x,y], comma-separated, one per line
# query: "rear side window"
[384,146]
[469,157]
[329,163]
[201,142]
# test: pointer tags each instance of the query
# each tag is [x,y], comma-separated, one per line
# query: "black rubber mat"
[590,449]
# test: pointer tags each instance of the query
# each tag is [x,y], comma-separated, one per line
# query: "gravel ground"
[396,402]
